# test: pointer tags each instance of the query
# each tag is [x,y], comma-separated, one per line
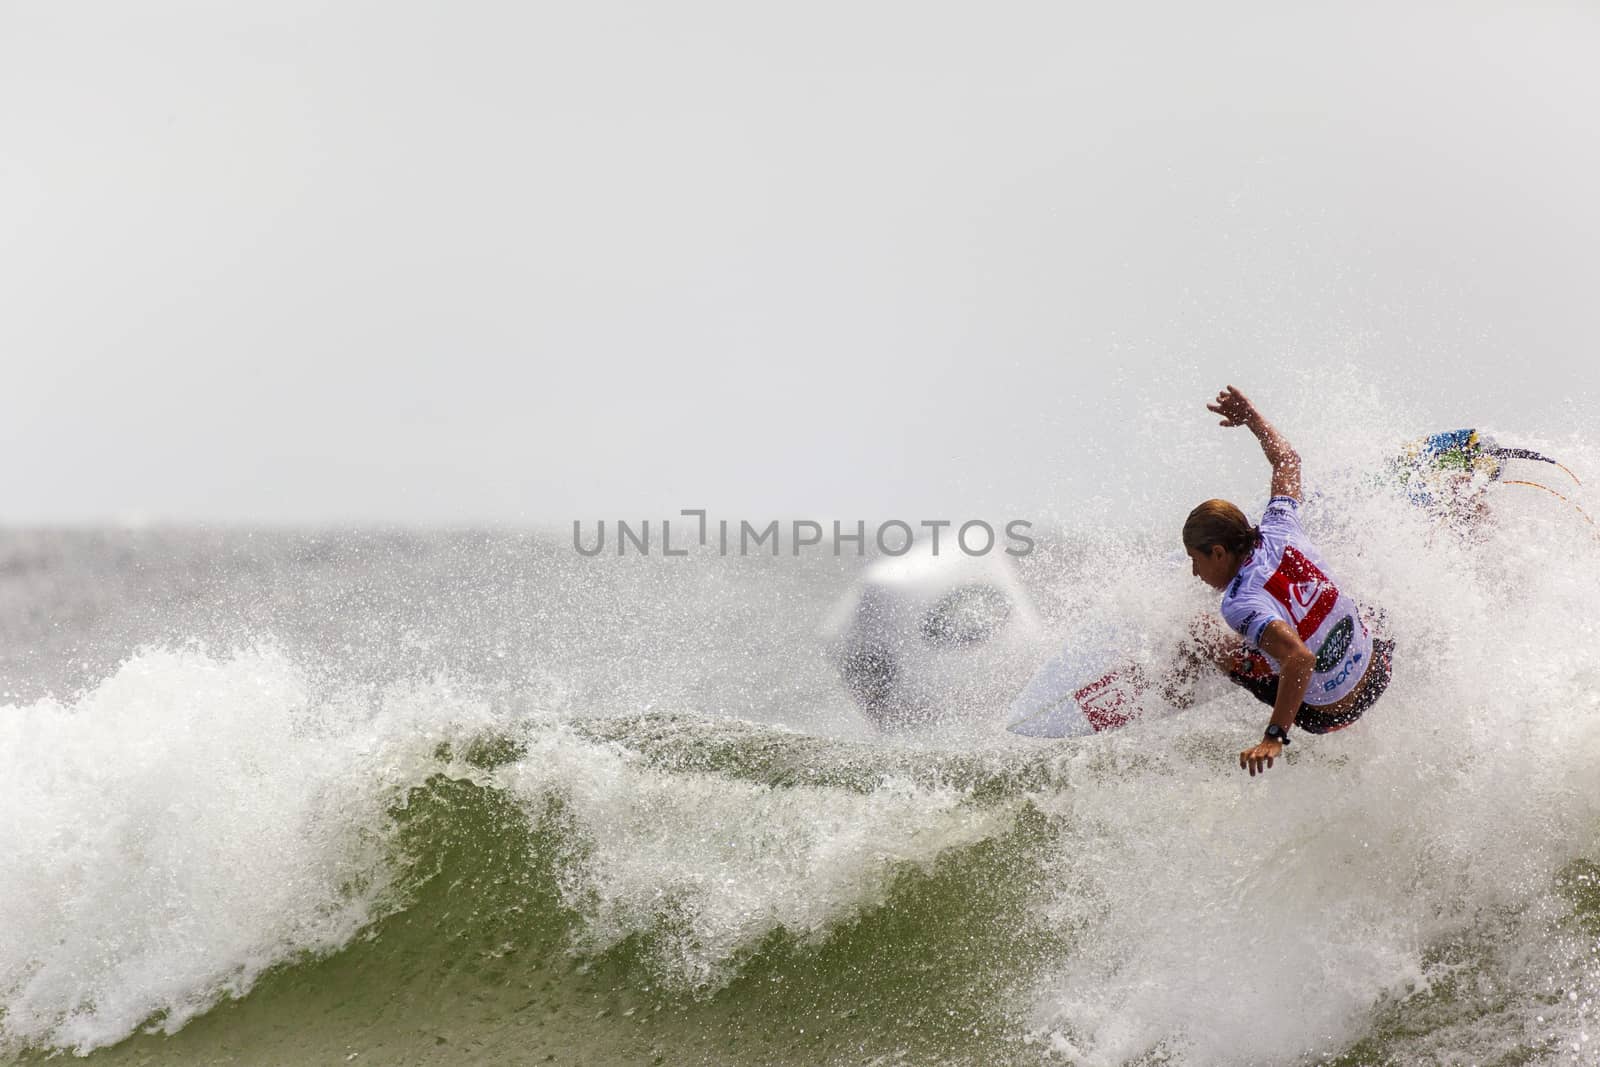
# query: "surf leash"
[1515,481]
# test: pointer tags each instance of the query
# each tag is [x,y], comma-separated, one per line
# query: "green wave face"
[486,956]
[514,930]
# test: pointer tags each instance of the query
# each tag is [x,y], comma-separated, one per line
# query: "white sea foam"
[194,820]
[710,864]
[187,823]
[1228,920]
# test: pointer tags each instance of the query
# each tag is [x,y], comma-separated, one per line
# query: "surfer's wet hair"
[1217,522]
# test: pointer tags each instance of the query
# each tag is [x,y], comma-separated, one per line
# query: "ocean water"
[395,797]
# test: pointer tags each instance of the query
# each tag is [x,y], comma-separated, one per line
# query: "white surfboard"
[1085,689]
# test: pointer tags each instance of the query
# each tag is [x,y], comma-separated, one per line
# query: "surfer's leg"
[1212,646]
[1263,687]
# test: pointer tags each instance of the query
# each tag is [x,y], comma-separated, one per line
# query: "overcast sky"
[526,262]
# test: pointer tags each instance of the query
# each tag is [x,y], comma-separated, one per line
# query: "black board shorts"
[1312,719]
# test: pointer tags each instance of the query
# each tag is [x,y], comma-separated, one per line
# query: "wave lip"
[707,863]
[182,827]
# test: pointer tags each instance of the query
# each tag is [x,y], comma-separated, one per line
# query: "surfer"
[1278,596]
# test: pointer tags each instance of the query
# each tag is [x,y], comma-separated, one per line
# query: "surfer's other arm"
[1296,661]
[1237,410]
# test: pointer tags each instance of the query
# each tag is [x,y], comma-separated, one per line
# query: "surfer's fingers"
[1254,761]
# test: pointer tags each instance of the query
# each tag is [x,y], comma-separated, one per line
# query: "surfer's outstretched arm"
[1237,410]
[1280,641]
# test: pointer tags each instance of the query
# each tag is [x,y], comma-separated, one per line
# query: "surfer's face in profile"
[1213,565]
[1218,537]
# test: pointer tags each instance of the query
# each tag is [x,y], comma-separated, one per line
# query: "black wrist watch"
[1276,733]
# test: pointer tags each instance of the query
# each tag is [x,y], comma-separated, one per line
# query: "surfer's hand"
[1258,758]
[1234,407]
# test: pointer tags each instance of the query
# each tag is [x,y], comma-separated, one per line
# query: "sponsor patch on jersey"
[1337,680]
[1336,645]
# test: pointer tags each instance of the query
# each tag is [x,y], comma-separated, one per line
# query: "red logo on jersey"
[1305,593]
[1298,585]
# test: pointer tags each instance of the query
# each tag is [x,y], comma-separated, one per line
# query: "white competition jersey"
[1285,579]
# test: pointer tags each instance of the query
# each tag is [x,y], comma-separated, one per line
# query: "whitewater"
[417,797]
